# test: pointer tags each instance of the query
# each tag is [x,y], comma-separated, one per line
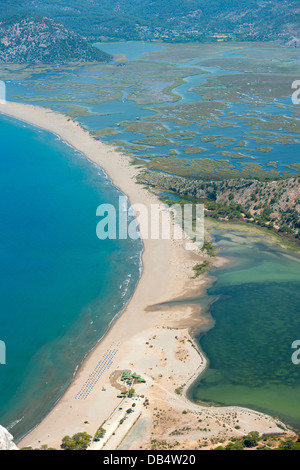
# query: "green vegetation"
[79,441]
[208,169]
[153,141]
[74,111]
[235,155]
[26,33]
[251,440]
[104,132]
[185,114]
[131,379]
[269,204]
[224,210]
[43,447]
[100,433]
[209,138]
[255,441]
[201,268]
[141,127]
[194,150]
[209,248]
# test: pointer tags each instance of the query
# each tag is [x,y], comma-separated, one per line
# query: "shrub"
[79,441]
[251,439]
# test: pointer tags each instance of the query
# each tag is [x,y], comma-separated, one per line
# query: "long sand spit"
[156,342]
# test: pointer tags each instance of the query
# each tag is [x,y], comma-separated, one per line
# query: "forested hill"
[170,19]
[38,39]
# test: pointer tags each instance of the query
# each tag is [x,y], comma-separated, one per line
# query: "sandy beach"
[153,341]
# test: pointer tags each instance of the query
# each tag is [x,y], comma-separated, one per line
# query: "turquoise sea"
[60,286]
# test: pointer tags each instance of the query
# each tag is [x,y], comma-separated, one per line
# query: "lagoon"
[254,310]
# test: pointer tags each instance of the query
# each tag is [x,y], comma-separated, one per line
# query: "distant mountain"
[39,39]
[171,19]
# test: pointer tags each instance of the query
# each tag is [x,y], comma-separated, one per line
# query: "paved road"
[115,432]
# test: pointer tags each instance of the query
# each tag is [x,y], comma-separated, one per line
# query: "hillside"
[172,19]
[38,39]
[274,204]
[6,440]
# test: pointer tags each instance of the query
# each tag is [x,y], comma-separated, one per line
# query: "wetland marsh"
[196,110]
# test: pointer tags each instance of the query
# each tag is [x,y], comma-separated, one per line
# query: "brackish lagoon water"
[256,315]
[60,286]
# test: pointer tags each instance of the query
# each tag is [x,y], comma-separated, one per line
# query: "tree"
[289,444]
[100,433]
[235,446]
[79,441]
[251,439]
[45,447]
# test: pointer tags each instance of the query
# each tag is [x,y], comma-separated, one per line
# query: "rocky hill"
[274,204]
[6,440]
[292,42]
[38,39]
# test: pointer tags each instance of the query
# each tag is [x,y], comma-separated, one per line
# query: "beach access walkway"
[116,431]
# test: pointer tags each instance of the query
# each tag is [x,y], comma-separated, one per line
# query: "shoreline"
[166,275]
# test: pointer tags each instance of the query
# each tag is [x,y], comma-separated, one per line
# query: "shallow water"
[60,286]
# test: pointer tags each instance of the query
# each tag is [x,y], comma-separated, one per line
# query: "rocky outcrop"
[292,42]
[6,440]
[41,40]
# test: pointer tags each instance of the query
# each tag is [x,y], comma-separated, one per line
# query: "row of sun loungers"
[97,373]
